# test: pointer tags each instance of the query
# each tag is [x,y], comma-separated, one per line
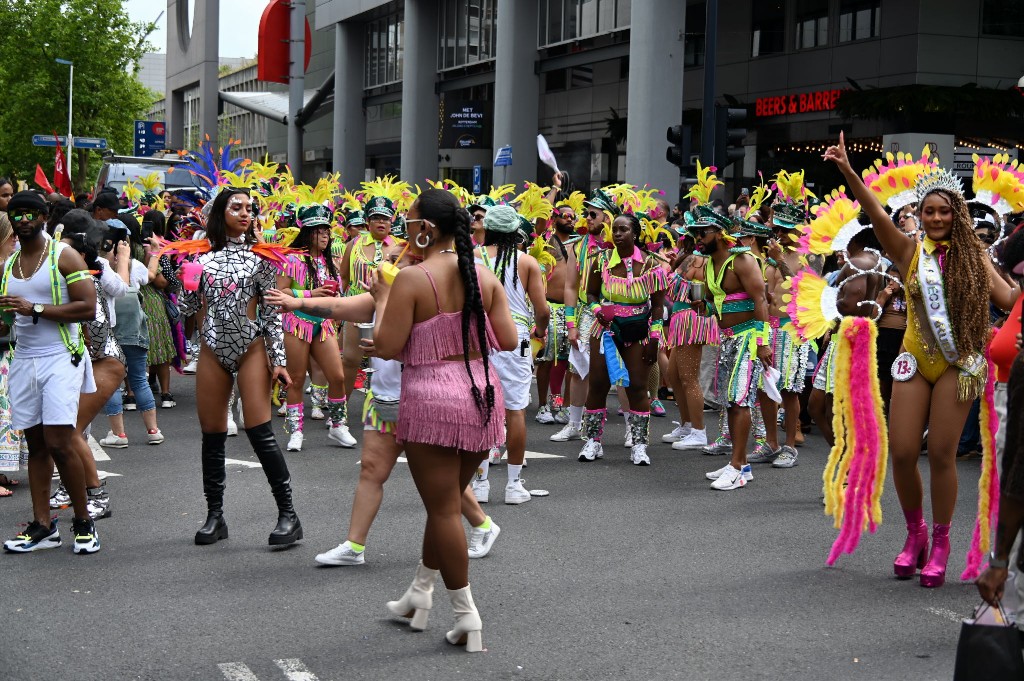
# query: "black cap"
[106,200]
[27,200]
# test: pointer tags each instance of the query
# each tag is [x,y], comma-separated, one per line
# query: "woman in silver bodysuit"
[241,334]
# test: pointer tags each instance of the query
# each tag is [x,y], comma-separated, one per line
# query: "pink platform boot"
[915,549]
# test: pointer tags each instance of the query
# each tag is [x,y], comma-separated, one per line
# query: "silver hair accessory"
[938,179]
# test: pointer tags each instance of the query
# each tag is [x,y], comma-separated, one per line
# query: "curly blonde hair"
[966,279]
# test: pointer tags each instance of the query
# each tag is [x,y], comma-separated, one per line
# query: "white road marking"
[294,670]
[104,474]
[946,614]
[98,452]
[542,455]
[236,671]
[247,464]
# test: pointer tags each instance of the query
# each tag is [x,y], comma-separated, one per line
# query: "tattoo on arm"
[318,311]
[783,267]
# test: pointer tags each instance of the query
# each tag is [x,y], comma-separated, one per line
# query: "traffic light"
[679,153]
[729,135]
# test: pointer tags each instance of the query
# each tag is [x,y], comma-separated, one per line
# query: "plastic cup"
[388,272]
[365,330]
[191,273]
[332,285]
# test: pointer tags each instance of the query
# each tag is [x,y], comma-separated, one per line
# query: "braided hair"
[302,242]
[505,258]
[442,209]
[966,278]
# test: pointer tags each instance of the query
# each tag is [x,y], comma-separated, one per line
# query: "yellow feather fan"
[834,224]
[892,180]
[811,305]
[998,182]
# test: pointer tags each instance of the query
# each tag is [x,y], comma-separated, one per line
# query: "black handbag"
[988,651]
[631,329]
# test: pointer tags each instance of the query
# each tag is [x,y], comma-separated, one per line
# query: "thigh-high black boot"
[213,487]
[289,529]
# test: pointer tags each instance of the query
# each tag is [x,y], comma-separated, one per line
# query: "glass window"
[384,50]
[623,12]
[566,20]
[769,27]
[1002,17]
[467,32]
[859,19]
[693,44]
[811,23]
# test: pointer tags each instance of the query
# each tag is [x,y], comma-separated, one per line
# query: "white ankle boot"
[418,599]
[468,627]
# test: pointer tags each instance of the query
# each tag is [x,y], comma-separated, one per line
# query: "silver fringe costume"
[101,341]
[231,278]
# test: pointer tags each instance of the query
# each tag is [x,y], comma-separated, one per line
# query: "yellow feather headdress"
[791,188]
[532,204]
[540,249]
[758,196]
[834,224]
[892,181]
[461,193]
[388,186]
[999,183]
[706,183]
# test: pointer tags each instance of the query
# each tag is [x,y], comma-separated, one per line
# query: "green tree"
[105,46]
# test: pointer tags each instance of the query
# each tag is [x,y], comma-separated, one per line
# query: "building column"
[349,135]
[419,94]
[655,76]
[517,89]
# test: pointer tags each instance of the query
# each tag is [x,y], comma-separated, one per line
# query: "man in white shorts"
[49,290]
[520,273]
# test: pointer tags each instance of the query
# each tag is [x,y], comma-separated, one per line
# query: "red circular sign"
[158,128]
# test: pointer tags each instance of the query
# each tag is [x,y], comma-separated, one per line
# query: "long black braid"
[302,242]
[505,258]
[443,209]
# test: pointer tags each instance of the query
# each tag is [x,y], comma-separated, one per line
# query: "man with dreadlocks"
[520,274]
[942,369]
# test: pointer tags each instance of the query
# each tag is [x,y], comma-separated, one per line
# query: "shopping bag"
[989,648]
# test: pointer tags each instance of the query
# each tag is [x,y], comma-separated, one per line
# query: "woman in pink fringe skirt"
[441,319]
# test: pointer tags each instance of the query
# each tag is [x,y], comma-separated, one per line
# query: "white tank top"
[518,302]
[42,339]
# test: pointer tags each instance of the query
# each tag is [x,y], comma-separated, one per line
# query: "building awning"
[274,105]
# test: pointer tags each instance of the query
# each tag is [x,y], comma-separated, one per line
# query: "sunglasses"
[593,215]
[477,218]
[409,223]
[21,216]
[567,216]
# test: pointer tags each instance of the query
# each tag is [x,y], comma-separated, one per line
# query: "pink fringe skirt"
[686,327]
[437,407]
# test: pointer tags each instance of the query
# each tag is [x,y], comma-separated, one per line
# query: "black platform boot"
[289,529]
[214,473]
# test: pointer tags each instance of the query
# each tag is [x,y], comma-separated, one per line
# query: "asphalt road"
[623,572]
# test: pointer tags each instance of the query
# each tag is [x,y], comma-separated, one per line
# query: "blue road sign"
[150,137]
[478,179]
[49,140]
[504,156]
[90,143]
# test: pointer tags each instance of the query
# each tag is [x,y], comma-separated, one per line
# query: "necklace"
[447,250]
[39,264]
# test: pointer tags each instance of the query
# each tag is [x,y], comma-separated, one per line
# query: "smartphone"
[524,347]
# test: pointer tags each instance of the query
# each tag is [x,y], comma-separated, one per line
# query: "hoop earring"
[421,245]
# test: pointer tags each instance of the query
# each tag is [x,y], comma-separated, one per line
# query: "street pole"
[71,94]
[296,84]
[707,130]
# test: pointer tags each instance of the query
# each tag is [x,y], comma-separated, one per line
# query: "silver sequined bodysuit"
[231,278]
[102,343]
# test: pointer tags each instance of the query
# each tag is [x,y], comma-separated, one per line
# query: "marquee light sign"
[804,102]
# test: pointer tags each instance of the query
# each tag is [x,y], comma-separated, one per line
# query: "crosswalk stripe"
[237,671]
[98,453]
[542,455]
[247,464]
[294,670]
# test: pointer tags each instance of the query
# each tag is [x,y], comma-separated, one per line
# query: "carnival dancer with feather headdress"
[943,368]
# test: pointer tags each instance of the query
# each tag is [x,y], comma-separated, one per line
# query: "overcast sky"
[239,24]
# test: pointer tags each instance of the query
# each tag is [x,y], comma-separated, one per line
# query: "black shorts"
[888,348]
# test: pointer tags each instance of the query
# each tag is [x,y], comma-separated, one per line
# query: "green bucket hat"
[312,215]
[379,205]
[602,201]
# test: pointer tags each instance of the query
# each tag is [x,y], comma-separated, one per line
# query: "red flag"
[61,171]
[42,181]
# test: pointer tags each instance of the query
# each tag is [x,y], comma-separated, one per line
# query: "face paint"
[235,207]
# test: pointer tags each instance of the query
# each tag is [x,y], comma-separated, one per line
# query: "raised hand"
[837,153]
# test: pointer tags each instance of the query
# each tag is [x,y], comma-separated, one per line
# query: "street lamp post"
[71,93]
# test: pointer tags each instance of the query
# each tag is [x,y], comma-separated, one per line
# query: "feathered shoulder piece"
[706,183]
[207,164]
[810,304]
[186,248]
[999,183]
[791,188]
[892,180]
[758,196]
[275,254]
[834,224]
[533,203]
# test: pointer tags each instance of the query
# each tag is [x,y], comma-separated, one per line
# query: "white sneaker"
[190,368]
[786,458]
[342,554]
[678,433]
[568,432]
[481,490]
[748,475]
[481,541]
[729,479]
[696,439]
[154,438]
[629,439]
[562,416]
[639,456]
[494,456]
[232,426]
[282,410]
[591,451]
[295,442]
[544,415]
[515,493]
[317,414]
[342,436]
[115,441]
